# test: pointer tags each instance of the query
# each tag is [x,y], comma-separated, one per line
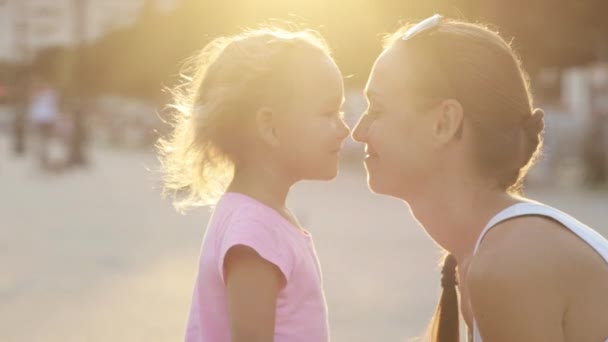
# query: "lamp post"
[21,79]
[77,155]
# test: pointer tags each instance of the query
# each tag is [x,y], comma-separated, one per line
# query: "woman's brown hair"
[474,65]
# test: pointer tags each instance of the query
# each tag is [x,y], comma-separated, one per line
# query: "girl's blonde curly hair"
[222,86]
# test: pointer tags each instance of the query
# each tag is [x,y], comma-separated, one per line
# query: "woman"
[451,130]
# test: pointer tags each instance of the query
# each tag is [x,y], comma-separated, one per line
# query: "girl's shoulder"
[241,206]
[241,212]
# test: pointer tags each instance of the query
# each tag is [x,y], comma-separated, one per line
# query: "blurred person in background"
[451,130]
[43,110]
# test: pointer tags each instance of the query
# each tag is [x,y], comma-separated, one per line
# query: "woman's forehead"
[387,76]
[399,72]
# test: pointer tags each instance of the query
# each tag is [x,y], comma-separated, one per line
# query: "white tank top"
[590,236]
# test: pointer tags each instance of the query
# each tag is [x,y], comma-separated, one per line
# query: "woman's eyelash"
[372,112]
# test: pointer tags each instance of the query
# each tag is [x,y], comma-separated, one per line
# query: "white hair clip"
[422,26]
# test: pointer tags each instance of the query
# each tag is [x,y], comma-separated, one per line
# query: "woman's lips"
[370,153]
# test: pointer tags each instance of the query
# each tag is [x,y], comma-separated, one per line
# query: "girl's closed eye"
[337,114]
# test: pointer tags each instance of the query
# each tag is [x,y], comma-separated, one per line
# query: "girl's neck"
[265,184]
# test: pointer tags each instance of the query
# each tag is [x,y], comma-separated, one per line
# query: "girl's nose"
[344,130]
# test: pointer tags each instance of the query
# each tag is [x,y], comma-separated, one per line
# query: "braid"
[445,323]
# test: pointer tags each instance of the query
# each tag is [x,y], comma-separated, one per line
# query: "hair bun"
[538,112]
[535,123]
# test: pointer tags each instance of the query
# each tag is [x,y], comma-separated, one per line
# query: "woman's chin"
[377,186]
[381,187]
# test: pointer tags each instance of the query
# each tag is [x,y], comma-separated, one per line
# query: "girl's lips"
[337,150]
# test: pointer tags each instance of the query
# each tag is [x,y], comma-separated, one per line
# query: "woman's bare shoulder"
[532,247]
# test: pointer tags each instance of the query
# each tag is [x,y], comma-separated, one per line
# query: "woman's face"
[399,139]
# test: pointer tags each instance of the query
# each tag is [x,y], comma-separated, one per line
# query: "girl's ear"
[265,120]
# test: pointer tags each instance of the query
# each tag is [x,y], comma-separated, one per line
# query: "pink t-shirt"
[301,313]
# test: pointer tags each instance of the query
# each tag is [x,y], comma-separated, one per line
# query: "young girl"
[261,113]
[451,130]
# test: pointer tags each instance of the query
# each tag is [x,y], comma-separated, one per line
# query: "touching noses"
[360,132]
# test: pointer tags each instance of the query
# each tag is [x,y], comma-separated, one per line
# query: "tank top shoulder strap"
[590,236]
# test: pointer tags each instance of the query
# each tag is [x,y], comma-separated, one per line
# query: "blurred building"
[27,26]
[576,124]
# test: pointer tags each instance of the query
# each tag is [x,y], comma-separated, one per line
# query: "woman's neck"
[455,216]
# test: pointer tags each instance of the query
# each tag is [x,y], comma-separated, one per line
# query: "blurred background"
[89,251]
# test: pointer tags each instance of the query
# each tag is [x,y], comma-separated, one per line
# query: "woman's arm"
[252,285]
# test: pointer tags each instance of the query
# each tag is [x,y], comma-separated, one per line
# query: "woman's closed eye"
[373,113]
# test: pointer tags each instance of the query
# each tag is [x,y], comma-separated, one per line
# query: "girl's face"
[311,131]
[399,144]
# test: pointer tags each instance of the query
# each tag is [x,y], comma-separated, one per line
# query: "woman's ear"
[449,123]
[266,124]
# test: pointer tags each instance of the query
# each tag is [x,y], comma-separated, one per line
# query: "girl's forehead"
[311,80]
[322,77]
[328,93]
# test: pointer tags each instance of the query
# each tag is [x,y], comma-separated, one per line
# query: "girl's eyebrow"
[370,94]
[342,101]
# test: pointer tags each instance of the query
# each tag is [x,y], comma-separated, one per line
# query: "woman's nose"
[360,131]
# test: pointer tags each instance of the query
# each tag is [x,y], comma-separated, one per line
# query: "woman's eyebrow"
[371,94]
